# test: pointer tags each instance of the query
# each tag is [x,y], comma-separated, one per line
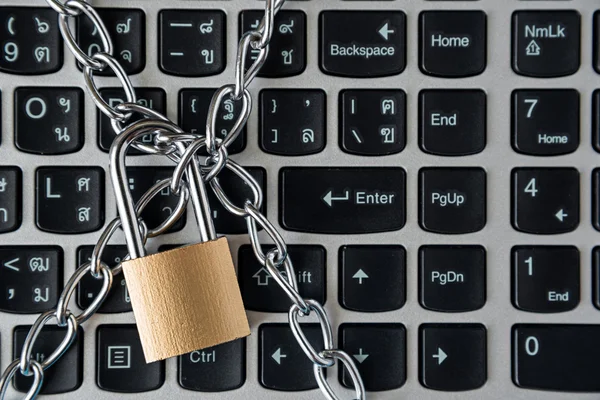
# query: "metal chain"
[184,149]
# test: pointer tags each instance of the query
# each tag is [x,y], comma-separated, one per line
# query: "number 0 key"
[545,200]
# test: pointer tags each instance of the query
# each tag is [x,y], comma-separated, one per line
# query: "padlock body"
[186,299]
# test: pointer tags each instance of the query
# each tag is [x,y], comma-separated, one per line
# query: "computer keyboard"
[432,164]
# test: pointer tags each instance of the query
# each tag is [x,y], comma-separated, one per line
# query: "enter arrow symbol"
[561,215]
[329,199]
[385,31]
[277,356]
[360,275]
[441,356]
[360,357]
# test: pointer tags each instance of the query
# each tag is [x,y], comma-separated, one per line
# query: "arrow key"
[283,364]
[545,200]
[379,351]
[372,278]
[452,356]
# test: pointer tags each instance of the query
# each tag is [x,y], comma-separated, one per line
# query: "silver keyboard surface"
[498,159]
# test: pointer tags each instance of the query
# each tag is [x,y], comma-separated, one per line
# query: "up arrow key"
[360,275]
[385,31]
[561,215]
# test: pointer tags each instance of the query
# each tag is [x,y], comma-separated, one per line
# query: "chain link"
[185,150]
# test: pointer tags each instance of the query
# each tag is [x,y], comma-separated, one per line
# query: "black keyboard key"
[342,200]
[363,44]
[193,112]
[452,122]
[372,278]
[292,122]
[596,276]
[546,44]
[31,42]
[379,351]
[66,375]
[153,98]
[373,122]
[11,196]
[453,357]
[287,49]
[596,119]
[595,198]
[597,41]
[238,192]
[127,29]
[452,200]
[49,120]
[283,364]
[545,122]
[556,357]
[192,42]
[260,291]
[140,179]
[118,299]
[215,369]
[452,278]
[545,279]
[32,278]
[120,363]
[453,43]
[69,200]
[545,200]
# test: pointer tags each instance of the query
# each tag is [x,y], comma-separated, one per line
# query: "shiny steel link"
[63,23]
[115,66]
[185,150]
[12,369]
[350,365]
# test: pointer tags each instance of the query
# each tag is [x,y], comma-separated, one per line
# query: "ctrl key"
[556,357]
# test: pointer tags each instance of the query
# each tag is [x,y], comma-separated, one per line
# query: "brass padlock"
[185,299]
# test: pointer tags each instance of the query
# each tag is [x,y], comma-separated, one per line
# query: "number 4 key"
[545,200]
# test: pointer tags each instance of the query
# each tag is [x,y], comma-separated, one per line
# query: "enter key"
[342,200]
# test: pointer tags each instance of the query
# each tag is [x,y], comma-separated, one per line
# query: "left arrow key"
[31,278]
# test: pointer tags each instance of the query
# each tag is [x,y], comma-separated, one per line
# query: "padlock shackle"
[120,182]
[199,198]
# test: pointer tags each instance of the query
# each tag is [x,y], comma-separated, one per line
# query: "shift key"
[342,200]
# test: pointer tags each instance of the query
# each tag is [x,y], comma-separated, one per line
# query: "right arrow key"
[452,356]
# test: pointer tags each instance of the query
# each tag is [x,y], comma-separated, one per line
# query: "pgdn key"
[342,200]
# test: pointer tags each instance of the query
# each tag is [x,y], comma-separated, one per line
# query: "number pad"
[118,299]
[287,50]
[31,42]
[545,279]
[31,278]
[127,29]
[152,98]
[11,181]
[70,200]
[545,200]
[292,122]
[545,122]
[193,111]
[373,122]
[192,42]
[49,121]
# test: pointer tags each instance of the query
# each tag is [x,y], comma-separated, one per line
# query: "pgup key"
[184,299]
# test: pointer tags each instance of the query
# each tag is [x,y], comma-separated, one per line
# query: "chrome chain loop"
[183,149]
